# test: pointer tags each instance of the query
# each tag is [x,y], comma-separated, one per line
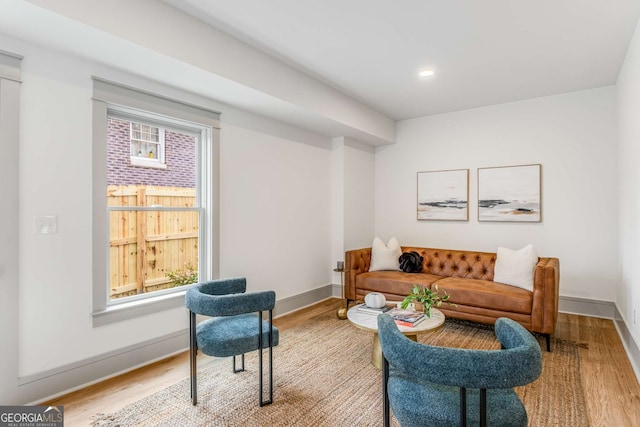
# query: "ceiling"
[483,52]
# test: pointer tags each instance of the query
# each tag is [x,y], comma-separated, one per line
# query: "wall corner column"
[9,217]
[353,196]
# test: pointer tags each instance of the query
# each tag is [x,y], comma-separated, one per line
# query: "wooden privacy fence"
[144,245]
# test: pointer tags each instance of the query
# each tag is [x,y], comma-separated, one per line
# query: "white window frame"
[115,100]
[144,160]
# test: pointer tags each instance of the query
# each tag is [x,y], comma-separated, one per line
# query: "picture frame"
[510,193]
[443,195]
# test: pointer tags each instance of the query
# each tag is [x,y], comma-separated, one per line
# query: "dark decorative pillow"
[411,262]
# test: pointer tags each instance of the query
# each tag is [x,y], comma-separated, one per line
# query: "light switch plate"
[45,224]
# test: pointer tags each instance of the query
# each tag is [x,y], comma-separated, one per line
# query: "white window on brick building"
[147,145]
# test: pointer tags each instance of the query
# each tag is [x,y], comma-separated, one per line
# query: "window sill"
[147,163]
[131,310]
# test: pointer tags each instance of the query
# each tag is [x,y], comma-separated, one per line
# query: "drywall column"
[628,289]
[353,184]
[359,206]
[9,143]
[337,183]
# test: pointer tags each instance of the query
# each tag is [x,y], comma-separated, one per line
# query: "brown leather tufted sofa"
[468,277]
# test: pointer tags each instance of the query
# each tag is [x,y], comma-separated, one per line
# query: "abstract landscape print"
[443,195]
[510,193]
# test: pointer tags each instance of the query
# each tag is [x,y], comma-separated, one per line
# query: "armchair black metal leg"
[260,364]
[270,356]
[260,357]
[386,413]
[483,407]
[235,371]
[463,407]
[548,339]
[193,351]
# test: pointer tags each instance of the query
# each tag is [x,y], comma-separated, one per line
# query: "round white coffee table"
[369,322]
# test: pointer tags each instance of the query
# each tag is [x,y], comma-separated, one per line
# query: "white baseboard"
[586,307]
[336,291]
[44,386]
[630,345]
[56,382]
[304,299]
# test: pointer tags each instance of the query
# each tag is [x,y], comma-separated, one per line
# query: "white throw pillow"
[516,267]
[385,257]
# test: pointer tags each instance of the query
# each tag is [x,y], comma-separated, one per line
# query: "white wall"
[275,210]
[628,85]
[275,204]
[572,135]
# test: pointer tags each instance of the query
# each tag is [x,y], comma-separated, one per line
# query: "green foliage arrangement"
[426,297]
[183,277]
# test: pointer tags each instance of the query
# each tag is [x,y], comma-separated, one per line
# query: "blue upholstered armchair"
[236,327]
[437,386]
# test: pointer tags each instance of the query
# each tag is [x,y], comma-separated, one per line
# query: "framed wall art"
[443,195]
[510,193]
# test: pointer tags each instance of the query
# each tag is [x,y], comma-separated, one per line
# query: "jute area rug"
[323,377]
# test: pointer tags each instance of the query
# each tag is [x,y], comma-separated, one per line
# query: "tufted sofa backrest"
[455,263]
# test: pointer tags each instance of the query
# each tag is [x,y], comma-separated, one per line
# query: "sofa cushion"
[393,282]
[516,267]
[487,294]
[385,257]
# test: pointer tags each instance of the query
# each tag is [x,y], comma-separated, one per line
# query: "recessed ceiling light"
[426,73]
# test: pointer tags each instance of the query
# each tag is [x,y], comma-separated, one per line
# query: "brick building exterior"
[179,156]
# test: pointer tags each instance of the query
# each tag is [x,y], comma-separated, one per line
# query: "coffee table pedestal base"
[376,349]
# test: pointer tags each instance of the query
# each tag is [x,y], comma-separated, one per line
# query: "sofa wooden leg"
[548,339]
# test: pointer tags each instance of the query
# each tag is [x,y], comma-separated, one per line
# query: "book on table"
[406,317]
[409,324]
[363,308]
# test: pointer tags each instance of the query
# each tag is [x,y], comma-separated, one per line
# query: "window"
[154,215]
[147,145]
[155,226]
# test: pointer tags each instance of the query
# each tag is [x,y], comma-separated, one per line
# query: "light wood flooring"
[610,386]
